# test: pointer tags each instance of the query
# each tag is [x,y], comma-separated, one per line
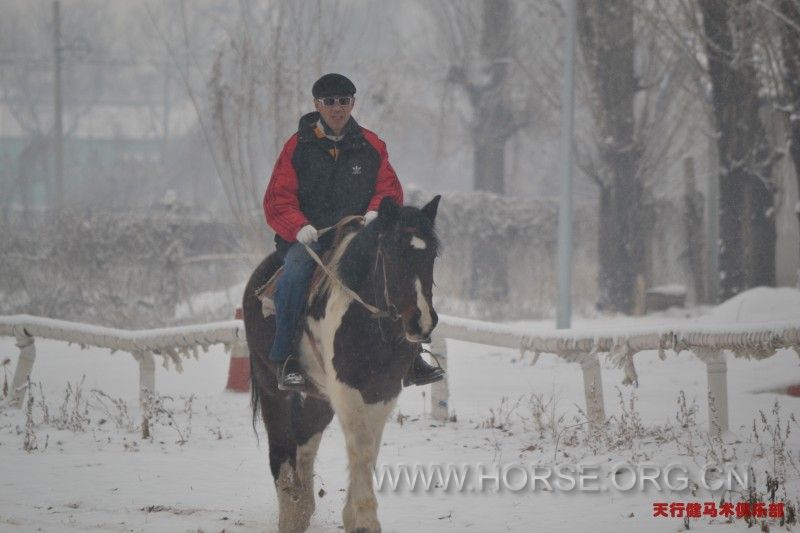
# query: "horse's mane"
[356,250]
[358,256]
[348,259]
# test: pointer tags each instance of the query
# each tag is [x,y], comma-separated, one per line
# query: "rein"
[375,312]
[378,314]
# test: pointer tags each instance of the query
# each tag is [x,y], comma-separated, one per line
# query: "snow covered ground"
[100,475]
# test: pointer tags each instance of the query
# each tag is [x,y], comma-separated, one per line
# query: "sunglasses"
[330,101]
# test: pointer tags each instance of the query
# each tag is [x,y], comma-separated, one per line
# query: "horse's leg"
[294,514]
[310,417]
[276,408]
[294,430]
[276,413]
[362,424]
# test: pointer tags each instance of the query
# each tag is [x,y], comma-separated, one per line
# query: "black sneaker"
[290,375]
[421,373]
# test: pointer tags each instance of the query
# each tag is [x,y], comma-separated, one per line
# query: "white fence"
[707,342]
[172,344]
[582,346]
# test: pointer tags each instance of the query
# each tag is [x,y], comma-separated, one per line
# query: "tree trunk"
[489,168]
[747,222]
[493,127]
[607,40]
[693,202]
[494,120]
[790,46]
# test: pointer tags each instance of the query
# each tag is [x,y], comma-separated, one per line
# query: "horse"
[362,330]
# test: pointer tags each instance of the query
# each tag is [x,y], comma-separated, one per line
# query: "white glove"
[370,216]
[307,234]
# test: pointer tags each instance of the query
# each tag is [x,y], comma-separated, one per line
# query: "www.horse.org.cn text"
[564,477]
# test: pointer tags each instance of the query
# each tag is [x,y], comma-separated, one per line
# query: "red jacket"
[317,181]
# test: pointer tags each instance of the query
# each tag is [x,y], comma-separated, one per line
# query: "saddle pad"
[266,293]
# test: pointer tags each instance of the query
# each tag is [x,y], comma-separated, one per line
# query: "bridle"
[391,310]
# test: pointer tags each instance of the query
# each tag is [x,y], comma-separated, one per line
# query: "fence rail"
[172,344]
[583,346]
[707,341]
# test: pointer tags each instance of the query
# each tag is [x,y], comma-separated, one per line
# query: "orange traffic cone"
[239,368]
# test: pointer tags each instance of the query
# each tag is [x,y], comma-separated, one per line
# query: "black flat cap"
[333,85]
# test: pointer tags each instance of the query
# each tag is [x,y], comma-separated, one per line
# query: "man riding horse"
[329,169]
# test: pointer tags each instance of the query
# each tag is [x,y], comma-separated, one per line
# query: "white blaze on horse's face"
[409,249]
[418,243]
[426,322]
[410,291]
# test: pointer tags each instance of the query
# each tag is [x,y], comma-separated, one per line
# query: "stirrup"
[293,380]
[437,374]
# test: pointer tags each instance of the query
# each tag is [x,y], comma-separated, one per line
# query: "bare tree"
[765,36]
[478,45]
[606,32]
[632,90]
[641,88]
[250,98]
[747,221]
[789,23]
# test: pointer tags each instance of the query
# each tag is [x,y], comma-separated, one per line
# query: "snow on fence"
[706,341]
[170,343]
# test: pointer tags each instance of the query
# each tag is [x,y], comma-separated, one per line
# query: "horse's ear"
[431,207]
[388,211]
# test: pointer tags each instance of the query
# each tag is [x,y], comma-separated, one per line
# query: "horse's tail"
[255,398]
[256,329]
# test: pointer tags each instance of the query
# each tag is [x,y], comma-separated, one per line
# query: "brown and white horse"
[354,360]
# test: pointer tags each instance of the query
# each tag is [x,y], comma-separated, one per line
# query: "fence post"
[27,355]
[147,385]
[593,390]
[147,374]
[717,372]
[440,391]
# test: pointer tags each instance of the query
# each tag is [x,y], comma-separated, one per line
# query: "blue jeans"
[290,297]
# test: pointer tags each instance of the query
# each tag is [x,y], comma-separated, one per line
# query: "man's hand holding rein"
[307,234]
